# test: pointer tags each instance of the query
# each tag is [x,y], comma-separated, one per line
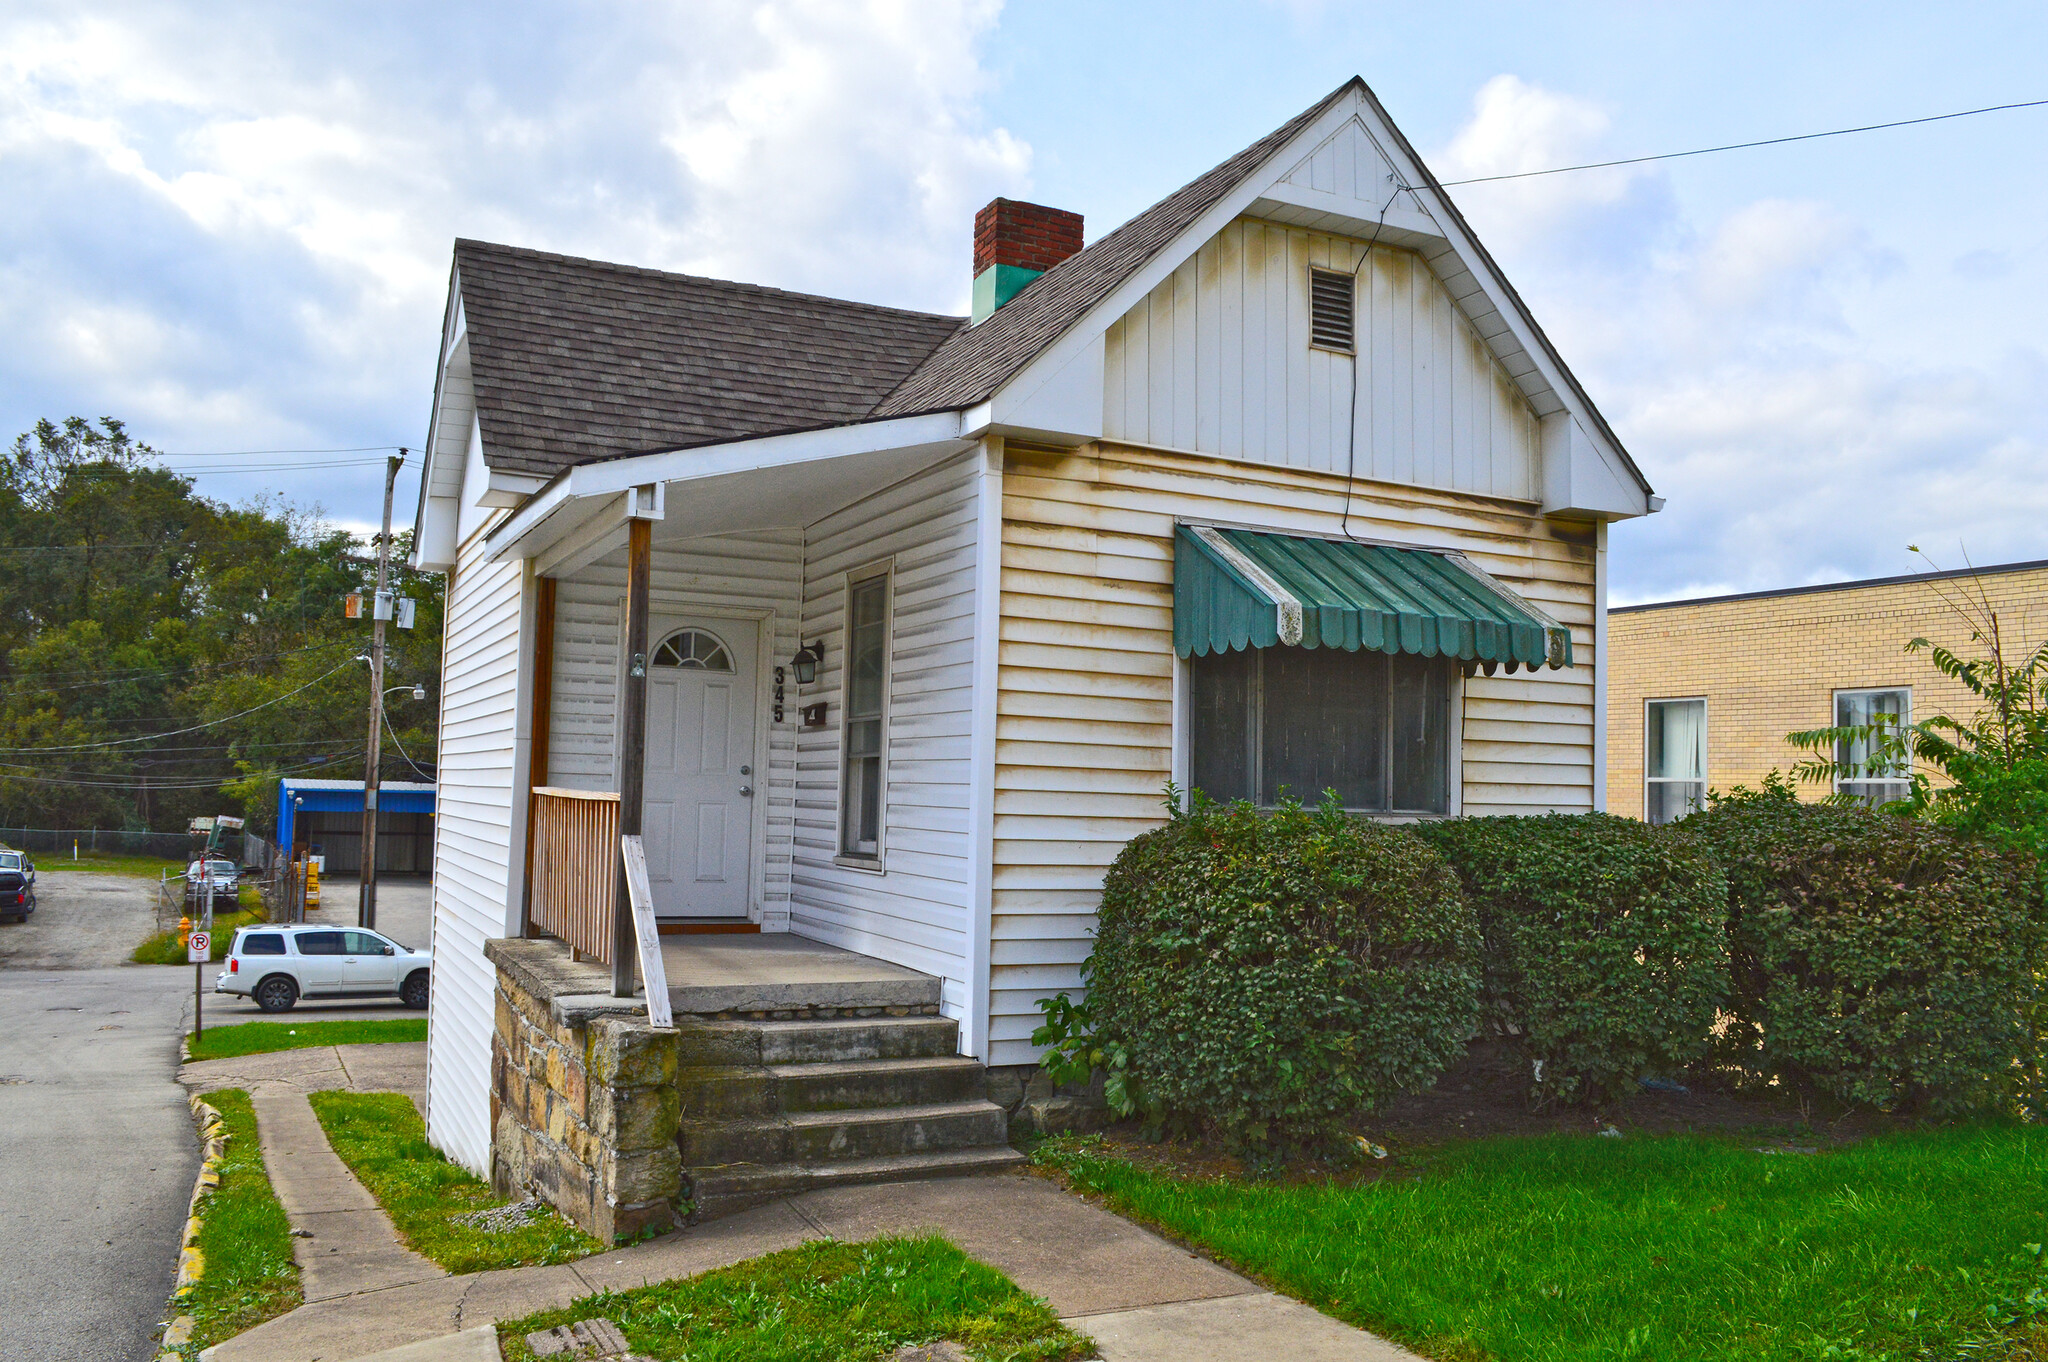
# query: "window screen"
[1332,298]
[867,679]
[1275,723]
[1875,780]
[1674,759]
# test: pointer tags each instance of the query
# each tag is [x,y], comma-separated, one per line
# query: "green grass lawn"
[826,1302]
[163,948]
[1911,1245]
[380,1137]
[107,863]
[255,1038]
[248,1275]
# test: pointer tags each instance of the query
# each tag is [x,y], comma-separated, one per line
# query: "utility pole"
[380,611]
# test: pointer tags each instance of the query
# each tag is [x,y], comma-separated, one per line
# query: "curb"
[191,1263]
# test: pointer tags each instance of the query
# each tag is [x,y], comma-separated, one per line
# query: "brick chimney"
[1014,243]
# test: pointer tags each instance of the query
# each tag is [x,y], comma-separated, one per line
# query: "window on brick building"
[1674,759]
[1868,777]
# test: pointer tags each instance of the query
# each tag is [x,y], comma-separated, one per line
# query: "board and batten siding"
[1217,360]
[482,750]
[914,912]
[1084,726]
[756,573]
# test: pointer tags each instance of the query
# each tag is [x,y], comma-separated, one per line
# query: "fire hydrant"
[184,932]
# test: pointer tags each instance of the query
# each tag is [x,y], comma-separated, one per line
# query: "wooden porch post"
[538,732]
[632,746]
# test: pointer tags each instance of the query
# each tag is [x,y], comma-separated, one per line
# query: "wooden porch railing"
[575,867]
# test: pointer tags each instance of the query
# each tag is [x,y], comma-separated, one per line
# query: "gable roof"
[970,366]
[578,359]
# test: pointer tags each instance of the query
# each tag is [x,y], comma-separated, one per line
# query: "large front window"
[1277,723]
[1674,759]
[1869,774]
[867,685]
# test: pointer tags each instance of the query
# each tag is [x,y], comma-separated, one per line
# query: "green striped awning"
[1247,589]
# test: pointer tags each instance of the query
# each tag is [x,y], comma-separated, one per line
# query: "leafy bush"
[1269,974]
[1876,958]
[1604,942]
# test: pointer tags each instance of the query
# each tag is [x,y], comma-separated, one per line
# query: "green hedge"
[1270,974]
[1875,958]
[1604,943]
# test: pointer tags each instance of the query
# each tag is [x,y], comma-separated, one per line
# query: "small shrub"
[1268,974]
[1875,958]
[1604,943]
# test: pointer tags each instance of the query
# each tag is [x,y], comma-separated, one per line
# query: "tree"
[161,652]
[1995,762]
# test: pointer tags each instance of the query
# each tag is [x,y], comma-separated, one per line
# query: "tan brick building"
[1707,689]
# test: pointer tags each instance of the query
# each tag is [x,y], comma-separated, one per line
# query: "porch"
[792,1065]
[764,977]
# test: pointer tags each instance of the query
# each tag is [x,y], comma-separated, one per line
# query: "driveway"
[100,1148]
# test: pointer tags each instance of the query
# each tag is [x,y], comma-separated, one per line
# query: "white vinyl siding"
[477,876]
[1218,360]
[914,912]
[756,573]
[1085,722]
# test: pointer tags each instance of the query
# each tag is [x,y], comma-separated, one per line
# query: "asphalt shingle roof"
[574,360]
[577,359]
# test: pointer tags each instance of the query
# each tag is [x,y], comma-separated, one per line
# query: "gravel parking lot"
[82,921]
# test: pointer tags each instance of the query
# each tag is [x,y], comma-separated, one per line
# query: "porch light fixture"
[805,663]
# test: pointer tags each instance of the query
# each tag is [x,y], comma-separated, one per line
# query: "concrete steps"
[772,1107]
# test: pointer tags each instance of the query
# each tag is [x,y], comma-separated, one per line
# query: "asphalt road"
[100,1147]
[100,1150]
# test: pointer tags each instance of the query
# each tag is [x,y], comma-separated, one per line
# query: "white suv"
[278,965]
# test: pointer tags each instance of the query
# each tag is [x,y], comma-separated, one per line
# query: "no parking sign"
[199,947]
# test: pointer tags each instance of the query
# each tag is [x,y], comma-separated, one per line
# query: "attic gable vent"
[1331,303]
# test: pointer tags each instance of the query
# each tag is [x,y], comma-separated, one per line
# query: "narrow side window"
[866,706]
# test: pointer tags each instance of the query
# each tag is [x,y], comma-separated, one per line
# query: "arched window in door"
[694,649]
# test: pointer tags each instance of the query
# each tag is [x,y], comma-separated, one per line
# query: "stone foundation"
[584,1108]
[1035,1102]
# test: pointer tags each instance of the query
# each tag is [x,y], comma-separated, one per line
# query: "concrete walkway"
[1142,1298]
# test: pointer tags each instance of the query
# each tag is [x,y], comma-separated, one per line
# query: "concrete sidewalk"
[1142,1298]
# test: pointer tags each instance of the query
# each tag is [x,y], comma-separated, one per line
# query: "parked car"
[278,965]
[17,886]
[223,874]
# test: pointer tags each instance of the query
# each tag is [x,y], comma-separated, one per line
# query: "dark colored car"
[17,886]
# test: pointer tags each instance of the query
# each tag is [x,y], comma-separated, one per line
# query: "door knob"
[747,791]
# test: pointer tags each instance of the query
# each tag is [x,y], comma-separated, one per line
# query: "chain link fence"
[169,846]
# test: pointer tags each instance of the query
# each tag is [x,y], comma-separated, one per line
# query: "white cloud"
[1755,365]
[243,213]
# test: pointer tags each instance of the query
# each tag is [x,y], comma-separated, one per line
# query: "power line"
[176,732]
[277,467]
[213,784]
[1743,146]
[242,453]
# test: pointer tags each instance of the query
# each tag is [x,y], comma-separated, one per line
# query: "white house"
[1277,487]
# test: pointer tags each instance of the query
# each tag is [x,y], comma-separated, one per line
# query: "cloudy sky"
[229,223]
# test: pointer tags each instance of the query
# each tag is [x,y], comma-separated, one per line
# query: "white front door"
[699,810]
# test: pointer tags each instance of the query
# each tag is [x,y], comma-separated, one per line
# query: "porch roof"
[1247,589]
